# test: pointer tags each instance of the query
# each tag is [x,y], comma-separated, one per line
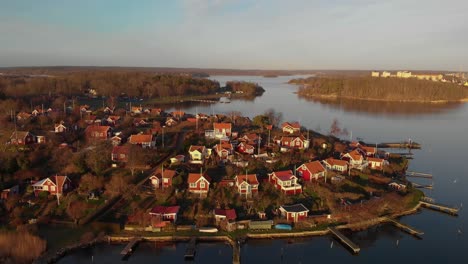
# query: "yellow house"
[403,74]
[375,74]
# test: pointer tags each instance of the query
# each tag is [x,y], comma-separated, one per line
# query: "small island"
[381,89]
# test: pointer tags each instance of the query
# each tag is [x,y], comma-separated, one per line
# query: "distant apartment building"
[375,74]
[385,74]
[403,74]
[429,77]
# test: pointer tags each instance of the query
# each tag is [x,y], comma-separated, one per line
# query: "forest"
[109,84]
[382,89]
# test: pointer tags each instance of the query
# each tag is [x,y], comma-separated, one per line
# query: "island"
[381,89]
[76,174]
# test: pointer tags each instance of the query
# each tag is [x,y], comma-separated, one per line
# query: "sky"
[237,34]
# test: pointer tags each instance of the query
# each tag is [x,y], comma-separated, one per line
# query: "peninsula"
[381,89]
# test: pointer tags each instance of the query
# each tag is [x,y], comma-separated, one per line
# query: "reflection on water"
[382,107]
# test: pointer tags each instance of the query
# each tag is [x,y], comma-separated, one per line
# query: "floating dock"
[343,239]
[130,246]
[236,253]
[440,208]
[418,174]
[408,229]
[397,145]
[191,248]
[417,185]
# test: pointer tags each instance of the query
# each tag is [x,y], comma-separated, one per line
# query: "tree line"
[247,88]
[388,89]
[110,84]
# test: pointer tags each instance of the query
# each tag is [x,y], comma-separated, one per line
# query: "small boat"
[208,229]
[283,227]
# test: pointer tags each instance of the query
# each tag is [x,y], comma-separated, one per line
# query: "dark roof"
[229,213]
[158,209]
[295,208]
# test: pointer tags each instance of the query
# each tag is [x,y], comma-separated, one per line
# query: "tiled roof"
[158,209]
[229,213]
[296,208]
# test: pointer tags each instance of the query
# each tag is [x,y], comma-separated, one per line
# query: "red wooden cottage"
[294,213]
[311,170]
[199,183]
[247,184]
[53,185]
[285,181]
[165,213]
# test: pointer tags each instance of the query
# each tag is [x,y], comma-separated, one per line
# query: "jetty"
[200,101]
[397,145]
[236,252]
[130,246]
[191,249]
[420,186]
[406,228]
[343,239]
[418,174]
[439,207]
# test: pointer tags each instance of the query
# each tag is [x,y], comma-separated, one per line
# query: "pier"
[420,186]
[130,246]
[408,229]
[440,208]
[397,145]
[418,174]
[343,239]
[236,252]
[200,101]
[191,249]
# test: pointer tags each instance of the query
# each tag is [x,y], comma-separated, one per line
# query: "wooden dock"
[343,239]
[130,246]
[408,229]
[440,208]
[420,186]
[398,145]
[418,174]
[236,253]
[191,248]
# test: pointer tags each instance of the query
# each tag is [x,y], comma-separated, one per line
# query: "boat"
[208,229]
[283,227]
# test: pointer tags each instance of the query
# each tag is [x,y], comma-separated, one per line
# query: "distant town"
[459,77]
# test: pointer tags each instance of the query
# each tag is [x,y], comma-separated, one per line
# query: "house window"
[166,180]
[202,185]
[298,143]
[193,185]
[52,188]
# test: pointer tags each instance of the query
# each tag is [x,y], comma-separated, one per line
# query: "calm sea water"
[441,129]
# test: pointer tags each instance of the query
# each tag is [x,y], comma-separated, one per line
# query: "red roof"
[314,167]
[229,213]
[250,179]
[194,177]
[355,155]
[159,209]
[140,138]
[120,150]
[222,126]
[368,149]
[199,148]
[283,175]
[166,173]
[332,161]
[100,129]
[295,125]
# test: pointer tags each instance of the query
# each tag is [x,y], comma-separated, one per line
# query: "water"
[442,131]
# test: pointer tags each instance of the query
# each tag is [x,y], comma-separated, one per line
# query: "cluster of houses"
[436,77]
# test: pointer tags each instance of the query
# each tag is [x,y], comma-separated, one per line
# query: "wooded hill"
[384,89]
[134,84]
[246,88]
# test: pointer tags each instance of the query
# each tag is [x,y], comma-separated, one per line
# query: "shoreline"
[336,98]
[362,225]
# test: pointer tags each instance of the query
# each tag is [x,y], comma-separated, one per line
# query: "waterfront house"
[291,128]
[143,140]
[165,213]
[376,163]
[370,151]
[247,184]
[199,183]
[354,158]
[95,132]
[55,185]
[162,178]
[225,214]
[294,213]
[120,154]
[336,164]
[22,138]
[222,130]
[311,170]
[197,154]
[285,181]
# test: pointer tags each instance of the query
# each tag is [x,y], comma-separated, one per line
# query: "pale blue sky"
[244,34]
